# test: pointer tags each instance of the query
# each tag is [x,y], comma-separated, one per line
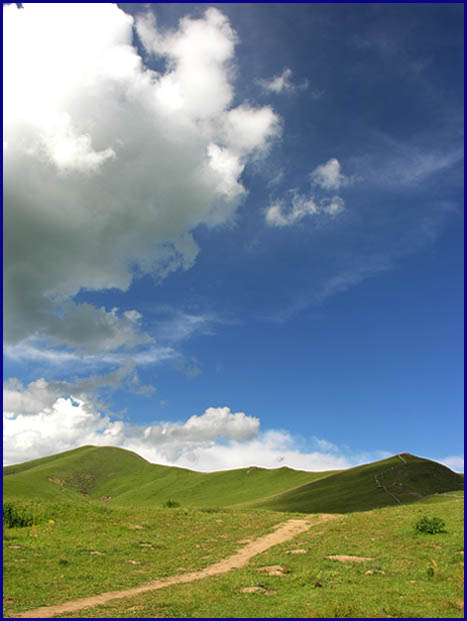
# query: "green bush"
[430,525]
[171,504]
[16,516]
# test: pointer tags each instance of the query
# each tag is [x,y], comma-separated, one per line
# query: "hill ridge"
[119,476]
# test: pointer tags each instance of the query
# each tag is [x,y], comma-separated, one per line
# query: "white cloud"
[282,82]
[40,394]
[324,444]
[248,130]
[111,165]
[455,462]
[301,207]
[328,176]
[34,349]
[332,205]
[213,424]
[396,164]
[39,422]
[342,281]
[413,166]
[181,325]
[273,449]
[326,180]
[96,329]
[35,398]
[198,79]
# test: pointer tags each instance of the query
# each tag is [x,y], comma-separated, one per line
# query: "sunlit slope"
[75,473]
[398,479]
[218,489]
[121,477]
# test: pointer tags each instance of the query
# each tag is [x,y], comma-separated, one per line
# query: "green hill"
[121,477]
[396,480]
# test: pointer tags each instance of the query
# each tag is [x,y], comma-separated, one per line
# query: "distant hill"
[118,476]
[400,479]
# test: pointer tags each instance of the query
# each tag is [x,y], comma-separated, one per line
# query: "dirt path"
[283,532]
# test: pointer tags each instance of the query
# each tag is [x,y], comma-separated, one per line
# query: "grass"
[411,575]
[100,523]
[356,489]
[77,550]
[122,477]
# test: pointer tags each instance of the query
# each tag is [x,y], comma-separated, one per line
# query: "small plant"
[16,517]
[429,525]
[171,504]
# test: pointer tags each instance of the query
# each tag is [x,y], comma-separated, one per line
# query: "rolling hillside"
[397,480]
[121,477]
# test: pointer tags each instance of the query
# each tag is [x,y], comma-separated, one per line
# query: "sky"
[233,233]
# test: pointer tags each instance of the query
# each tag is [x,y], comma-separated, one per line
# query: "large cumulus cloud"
[109,165]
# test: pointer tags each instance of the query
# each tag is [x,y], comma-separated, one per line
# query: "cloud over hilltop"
[48,417]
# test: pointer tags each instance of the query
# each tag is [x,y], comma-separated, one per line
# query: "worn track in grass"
[283,532]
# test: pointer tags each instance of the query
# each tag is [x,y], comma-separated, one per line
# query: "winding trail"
[283,532]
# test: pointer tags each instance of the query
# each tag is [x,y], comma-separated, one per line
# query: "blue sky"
[234,233]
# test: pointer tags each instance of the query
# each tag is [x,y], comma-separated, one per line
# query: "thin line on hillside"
[381,474]
[283,532]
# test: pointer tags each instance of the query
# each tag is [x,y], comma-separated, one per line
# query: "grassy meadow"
[409,575]
[75,550]
[100,523]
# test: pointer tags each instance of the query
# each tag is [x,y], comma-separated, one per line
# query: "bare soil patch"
[298,551]
[273,570]
[257,589]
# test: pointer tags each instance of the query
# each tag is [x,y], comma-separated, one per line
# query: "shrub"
[430,525]
[171,504]
[16,516]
